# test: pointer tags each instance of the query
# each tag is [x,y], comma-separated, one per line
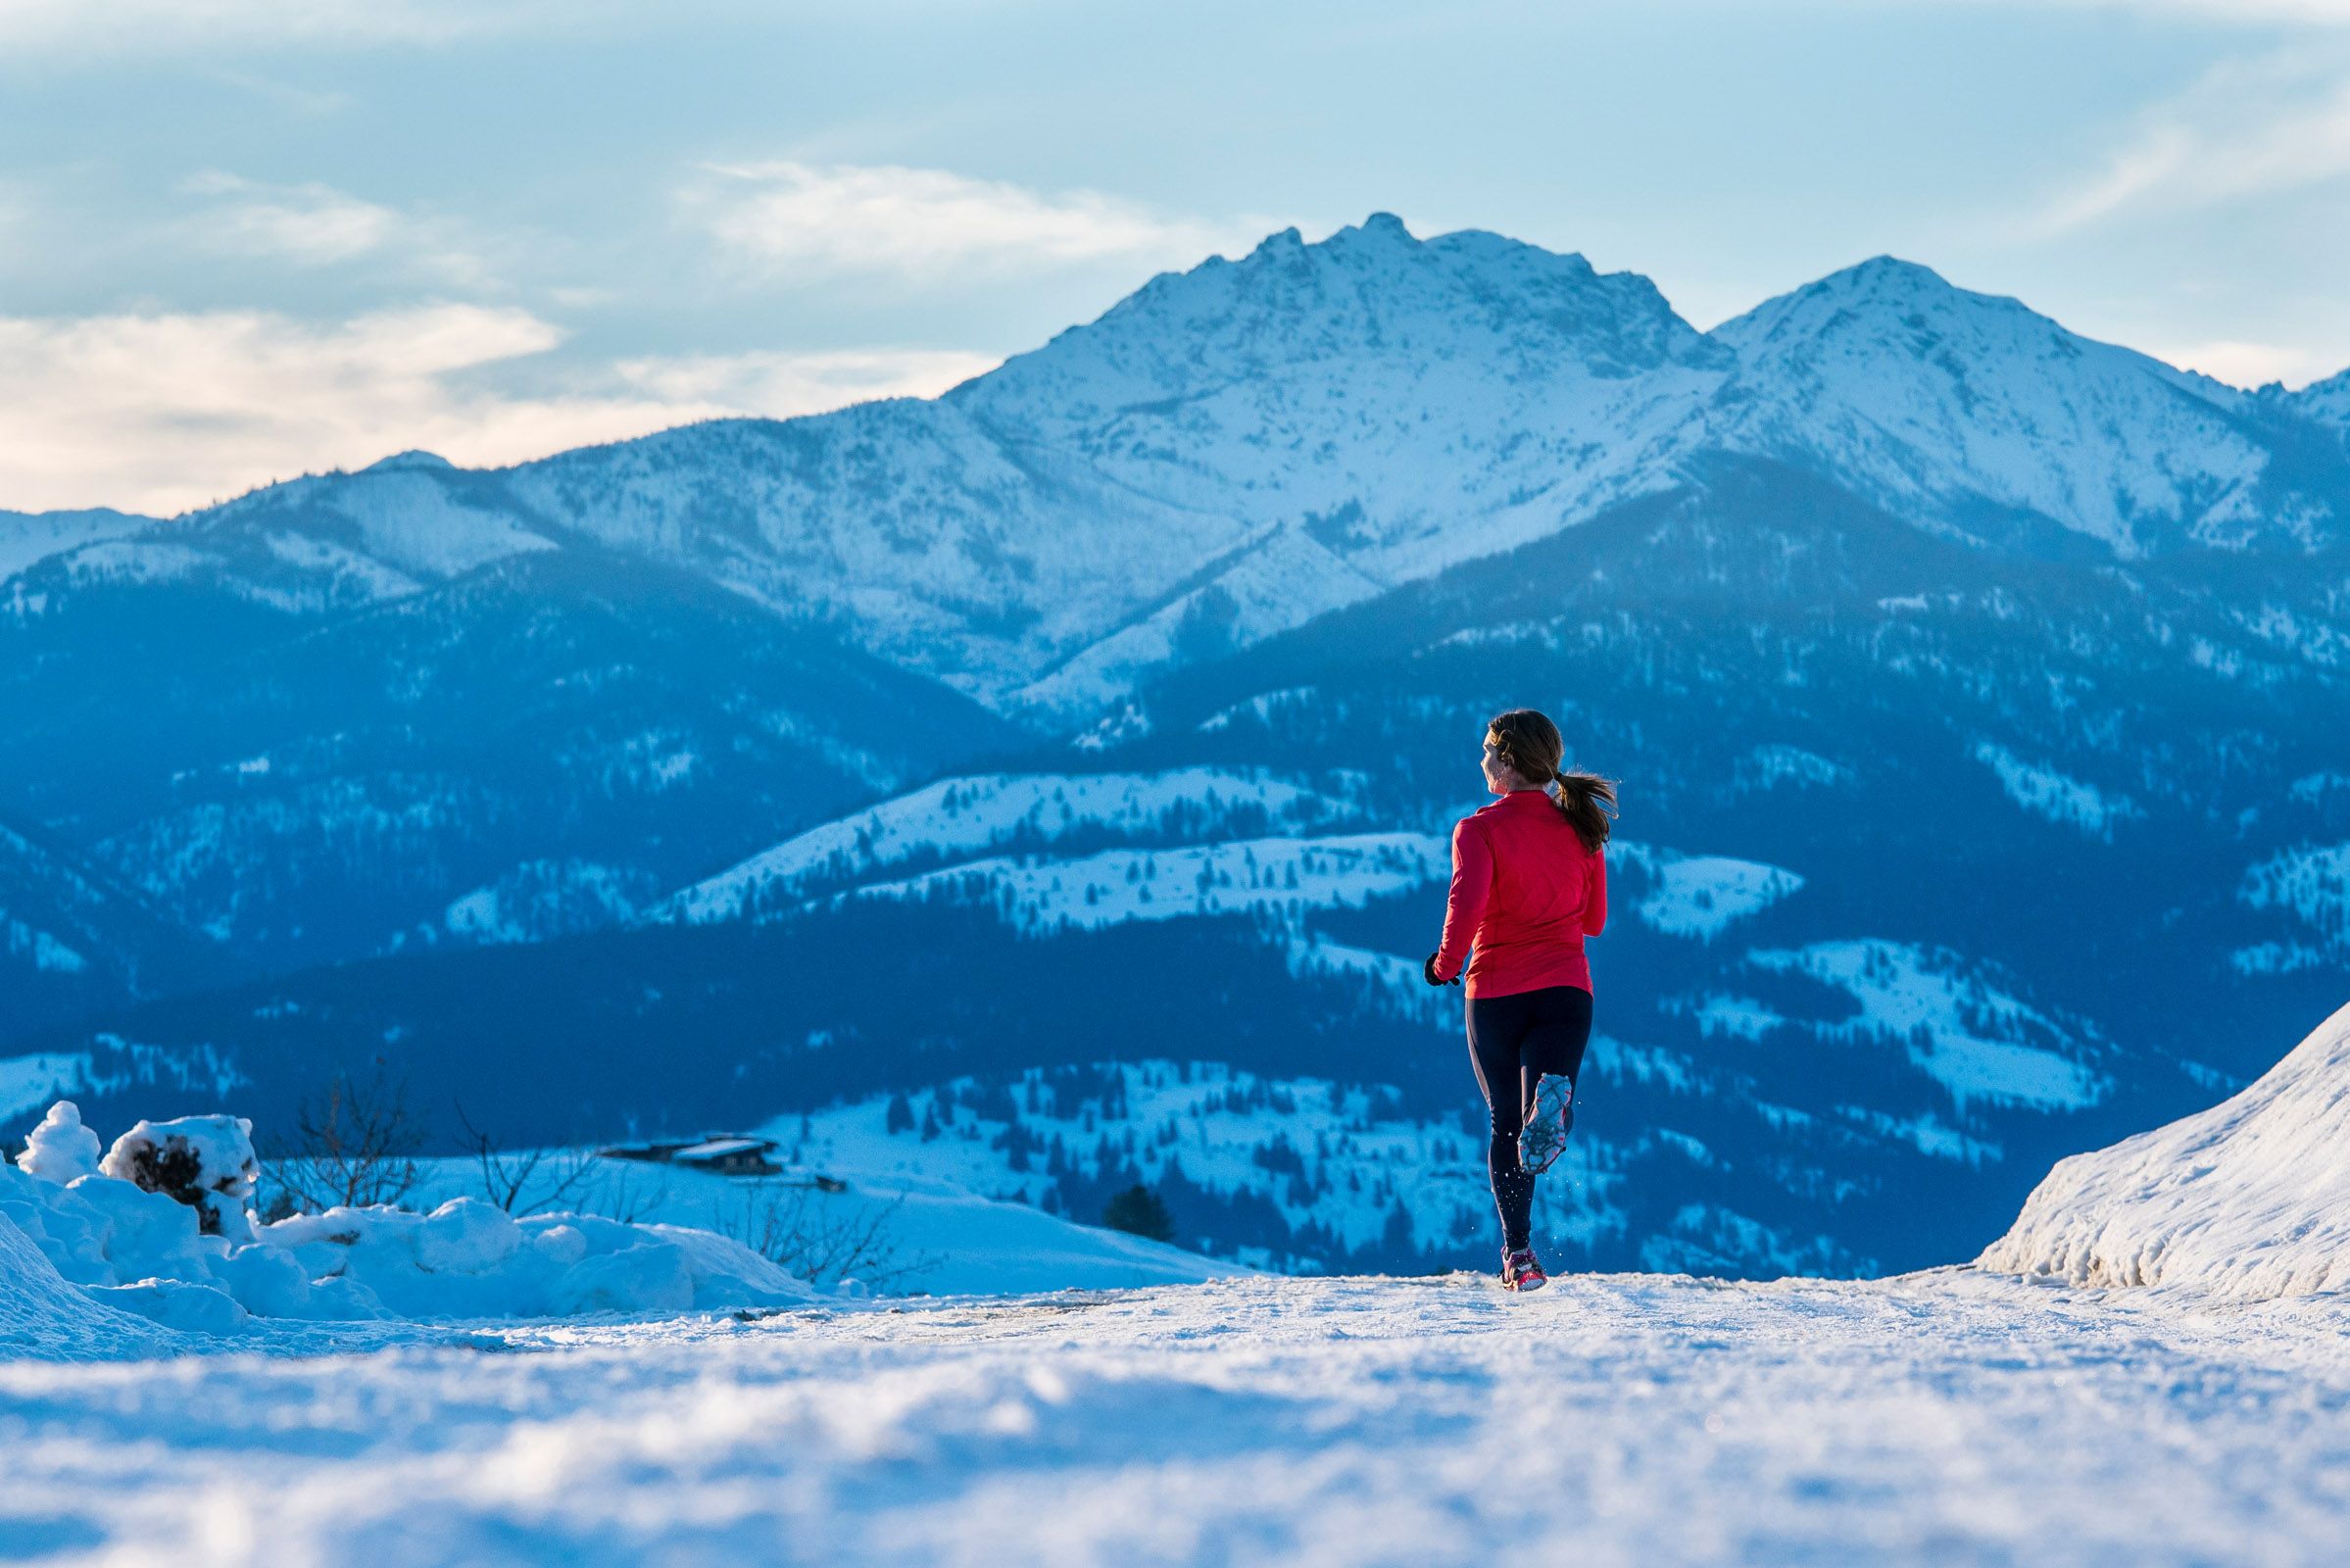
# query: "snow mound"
[472,1260]
[2249,1199]
[159,1230]
[44,1318]
[61,1149]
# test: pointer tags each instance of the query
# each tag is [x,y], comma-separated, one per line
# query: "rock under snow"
[2248,1200]
[203,1161]
[59,1148]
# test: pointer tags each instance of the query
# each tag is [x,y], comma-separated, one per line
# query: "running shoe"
[1520,1271]
[1547,1122]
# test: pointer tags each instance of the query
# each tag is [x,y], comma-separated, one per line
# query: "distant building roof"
[722,1147]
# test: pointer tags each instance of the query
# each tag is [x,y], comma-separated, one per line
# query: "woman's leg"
[1495,1024]
[1557,1030]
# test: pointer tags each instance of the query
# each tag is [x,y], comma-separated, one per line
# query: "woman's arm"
[1464,904]
[1594,895]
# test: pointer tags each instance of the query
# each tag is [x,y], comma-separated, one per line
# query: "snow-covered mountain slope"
[27,536]
[1238,448]
[2246,1201]
[956,820]
[307,787]
[1407,402]
[1940,813]
[1229,453]
[1978,412]
[71,940]
[2328,400]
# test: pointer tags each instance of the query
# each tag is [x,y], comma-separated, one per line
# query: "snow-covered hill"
[28,536]
[1974,688]
[2248,1200]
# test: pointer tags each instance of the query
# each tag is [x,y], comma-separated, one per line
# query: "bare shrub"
[532,1181]
[354,1145]
[791,1224]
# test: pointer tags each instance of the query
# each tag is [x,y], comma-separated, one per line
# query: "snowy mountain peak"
[414,458]
[1370,304]
[1941,400]
[1885,274]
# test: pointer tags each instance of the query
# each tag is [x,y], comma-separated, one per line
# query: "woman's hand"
[1428,972]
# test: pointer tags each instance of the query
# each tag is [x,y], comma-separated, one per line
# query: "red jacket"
[1525,894]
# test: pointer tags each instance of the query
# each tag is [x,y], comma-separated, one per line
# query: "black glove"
[1428,972]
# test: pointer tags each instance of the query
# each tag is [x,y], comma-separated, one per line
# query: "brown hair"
[1529,744]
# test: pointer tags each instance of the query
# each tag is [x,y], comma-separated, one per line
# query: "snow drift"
[44,1318]
[87,1249]
[2246,1201]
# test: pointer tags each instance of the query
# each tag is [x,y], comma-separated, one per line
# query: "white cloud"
[781,384]
[2249,364]
[2254,12]
[309,224]
[126,27]
[318,225]
[162,413]
[928,222]
[2247,128]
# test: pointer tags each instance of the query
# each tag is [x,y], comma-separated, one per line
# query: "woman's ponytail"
[1588,804]
[1532,746]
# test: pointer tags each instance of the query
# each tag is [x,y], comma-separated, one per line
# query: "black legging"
[1513,1040]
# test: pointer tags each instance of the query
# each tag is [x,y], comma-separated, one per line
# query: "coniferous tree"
[1138,1211]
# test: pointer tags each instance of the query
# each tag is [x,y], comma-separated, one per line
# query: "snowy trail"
[1953,1417]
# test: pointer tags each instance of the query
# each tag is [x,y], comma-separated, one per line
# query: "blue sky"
[240,240]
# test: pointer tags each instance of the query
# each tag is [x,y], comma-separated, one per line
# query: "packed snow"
[2248,1200]
[1615,1420]
[2019,1410]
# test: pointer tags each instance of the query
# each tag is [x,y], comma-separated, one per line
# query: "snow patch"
[2312,882]
[959,818]
[2058,797]
[1977,1041]
[1703,895]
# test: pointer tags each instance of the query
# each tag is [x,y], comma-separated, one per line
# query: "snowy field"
[1950,1418]
[2151,1369]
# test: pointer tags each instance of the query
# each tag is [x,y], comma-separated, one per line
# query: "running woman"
[1529,883]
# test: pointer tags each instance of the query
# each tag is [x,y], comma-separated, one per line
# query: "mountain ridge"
[1369,408]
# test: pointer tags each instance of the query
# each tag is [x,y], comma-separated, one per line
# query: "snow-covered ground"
[2038,1407]
[1948,1418]
[928,1236]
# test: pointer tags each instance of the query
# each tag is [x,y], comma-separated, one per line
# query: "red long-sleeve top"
[1525,894]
